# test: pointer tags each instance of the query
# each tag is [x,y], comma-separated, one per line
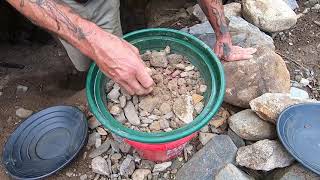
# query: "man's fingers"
[144,78]
[238,57]
[125,85]
[136,86]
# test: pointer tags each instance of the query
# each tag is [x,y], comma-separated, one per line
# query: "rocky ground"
[239,142]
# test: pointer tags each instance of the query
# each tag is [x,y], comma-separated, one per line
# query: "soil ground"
[47,74]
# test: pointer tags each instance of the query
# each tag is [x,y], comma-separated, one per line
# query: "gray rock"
[199,107]
[292,4]
[92,138]
[237,140]
[146,164]
[93,123]
[294,172]
[127,167]
[131,114]
[165,108]
[231,172]
[218,152]
[100,166]
[245,34]
[124,147]
[101,149]
[23,113]
[280,16]
[114,94]
[249,126]
[249,79]
[161,167]
[197,12]
[232,9]
[140,174]
[298,93]
[270,105]
[123,101]
[264,155]
[84,177]
[204,138]
[21,89]
[121,117]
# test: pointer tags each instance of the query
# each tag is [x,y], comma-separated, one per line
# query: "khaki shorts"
[105,13]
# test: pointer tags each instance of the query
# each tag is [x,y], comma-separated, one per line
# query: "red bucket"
[160,152]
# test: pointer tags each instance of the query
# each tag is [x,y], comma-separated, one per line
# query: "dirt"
[48,74]
[176,99]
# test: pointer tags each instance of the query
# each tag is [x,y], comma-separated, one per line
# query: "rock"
[183,108]
[316,8]
[269,15]
[218,152]
[196,98]
[115,157]
[127,167]
[197,12]
[231,172]
[165,108]
[155,126]
[140,174]
[21,89]
[161,167]
[69,174]
[298,93]
[199,107]
[304,82]
[164,124]
[204,138]
[270,105]
[294,172]
[123,101]
[124,147]
[232,9]
[149,103]
[115,110]
[237,140]
[249,79]
[23,113]
[92,138]
[98,142]
[93,123]
[292,4]
[131,113]
[100,166]
[203,88]
[102,131]
[220,118]
[249,126]
[84,177]
[264,155]
[158,59]
[114,94]
[121,117]
[101,149]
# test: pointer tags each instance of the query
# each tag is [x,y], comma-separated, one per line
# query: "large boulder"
[249,79]
[218,152]
[270,105]
[243,33]
[264,155]
[269,15]
[249,126]
[296,172]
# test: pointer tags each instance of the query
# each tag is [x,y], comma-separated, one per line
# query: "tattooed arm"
[114,56]
[223,47]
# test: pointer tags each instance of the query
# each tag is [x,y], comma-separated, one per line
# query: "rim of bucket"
[98,108]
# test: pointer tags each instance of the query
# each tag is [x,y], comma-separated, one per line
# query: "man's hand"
[122,63]
[114,56]
[226,51]
[223,47]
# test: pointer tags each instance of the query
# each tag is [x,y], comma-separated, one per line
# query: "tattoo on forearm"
[215,8]
[50,8]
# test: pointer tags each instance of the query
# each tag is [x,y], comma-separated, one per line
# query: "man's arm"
[114,56]
[223,47]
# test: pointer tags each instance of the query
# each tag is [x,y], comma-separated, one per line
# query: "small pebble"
[23,113]
[203,88]
[102,131]
[115,110]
